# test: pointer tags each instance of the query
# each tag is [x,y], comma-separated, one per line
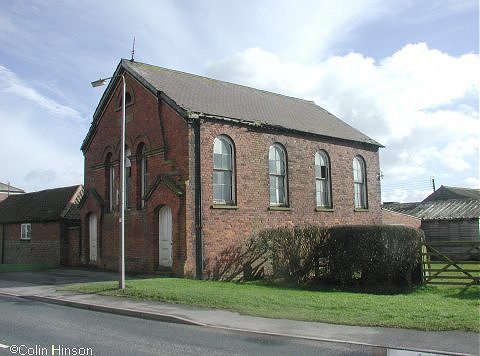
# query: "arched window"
[129,99]
[223,171]
[142,174]
[109,182]
[128,178]
[322,180]
[360,183]
[277,164]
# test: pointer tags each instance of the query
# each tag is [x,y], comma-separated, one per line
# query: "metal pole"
[121,262]
[121,268]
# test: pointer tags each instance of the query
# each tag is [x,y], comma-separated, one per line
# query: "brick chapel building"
[209,163]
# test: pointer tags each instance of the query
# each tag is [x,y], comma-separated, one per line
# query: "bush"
[378,255]
[243,261]
[294,252]
[375,254]
[287,254]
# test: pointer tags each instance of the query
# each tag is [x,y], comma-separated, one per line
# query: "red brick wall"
[70,246]
[170,150]
[164,134]
[43,247]
[221,227]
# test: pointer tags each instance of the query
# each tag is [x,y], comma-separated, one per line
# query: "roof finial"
[133,49]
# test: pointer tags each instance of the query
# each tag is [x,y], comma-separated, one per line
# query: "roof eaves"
[178,108]
[258,124]
[400,213]
[100,107]
[73,202]
[122,68]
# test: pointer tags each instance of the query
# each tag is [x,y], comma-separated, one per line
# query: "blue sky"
[404,72]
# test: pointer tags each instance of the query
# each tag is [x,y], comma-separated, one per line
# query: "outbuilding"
[41,227]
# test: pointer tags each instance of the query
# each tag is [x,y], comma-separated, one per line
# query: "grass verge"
[427,308]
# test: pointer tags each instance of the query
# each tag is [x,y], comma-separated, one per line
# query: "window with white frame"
[26,231]
[277,169]
[322,180]
[223,171]
[359,183]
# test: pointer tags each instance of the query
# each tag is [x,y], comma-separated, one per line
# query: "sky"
[404,72]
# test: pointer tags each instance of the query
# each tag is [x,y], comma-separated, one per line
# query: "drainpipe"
[3,243]
[198,203]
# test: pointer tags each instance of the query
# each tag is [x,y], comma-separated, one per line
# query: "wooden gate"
[451,262]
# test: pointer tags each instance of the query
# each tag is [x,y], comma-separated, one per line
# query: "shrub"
[377,255]
[286,254]
[374,254]
[294,252]
[242,261]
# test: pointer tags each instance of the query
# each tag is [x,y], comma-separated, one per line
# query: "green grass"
[20,267]
[426,308]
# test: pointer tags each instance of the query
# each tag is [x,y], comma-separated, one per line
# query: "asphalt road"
[31,328]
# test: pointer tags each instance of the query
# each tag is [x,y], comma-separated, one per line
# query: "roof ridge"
[58,188]
[223,81]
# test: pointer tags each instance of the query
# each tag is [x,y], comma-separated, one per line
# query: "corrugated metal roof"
[45,205]
[4,188]
[439,210]
[446,193]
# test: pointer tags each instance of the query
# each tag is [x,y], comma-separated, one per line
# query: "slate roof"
[42,206]
[204,96]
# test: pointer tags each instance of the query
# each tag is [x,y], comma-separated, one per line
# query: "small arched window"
[223,171]
[277,169]
[129,99]
[360,183]
[322,180]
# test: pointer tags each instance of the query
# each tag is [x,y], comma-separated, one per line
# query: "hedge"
[345,255]
[374,254]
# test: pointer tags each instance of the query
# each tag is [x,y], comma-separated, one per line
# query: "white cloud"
[414,101]
[10,84]
[473,182]
[38,133]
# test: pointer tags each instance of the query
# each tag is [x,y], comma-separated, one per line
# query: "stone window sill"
[322,209]
[361,210]
[224,206]
[280,208]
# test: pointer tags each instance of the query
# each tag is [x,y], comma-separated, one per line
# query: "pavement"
[46,286]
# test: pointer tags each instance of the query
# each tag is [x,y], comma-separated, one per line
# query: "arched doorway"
[165,237]
[92,235]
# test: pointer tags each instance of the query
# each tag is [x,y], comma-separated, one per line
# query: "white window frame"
[26,231]
[323,194]
[278,180]
[360,183]
[229,170]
